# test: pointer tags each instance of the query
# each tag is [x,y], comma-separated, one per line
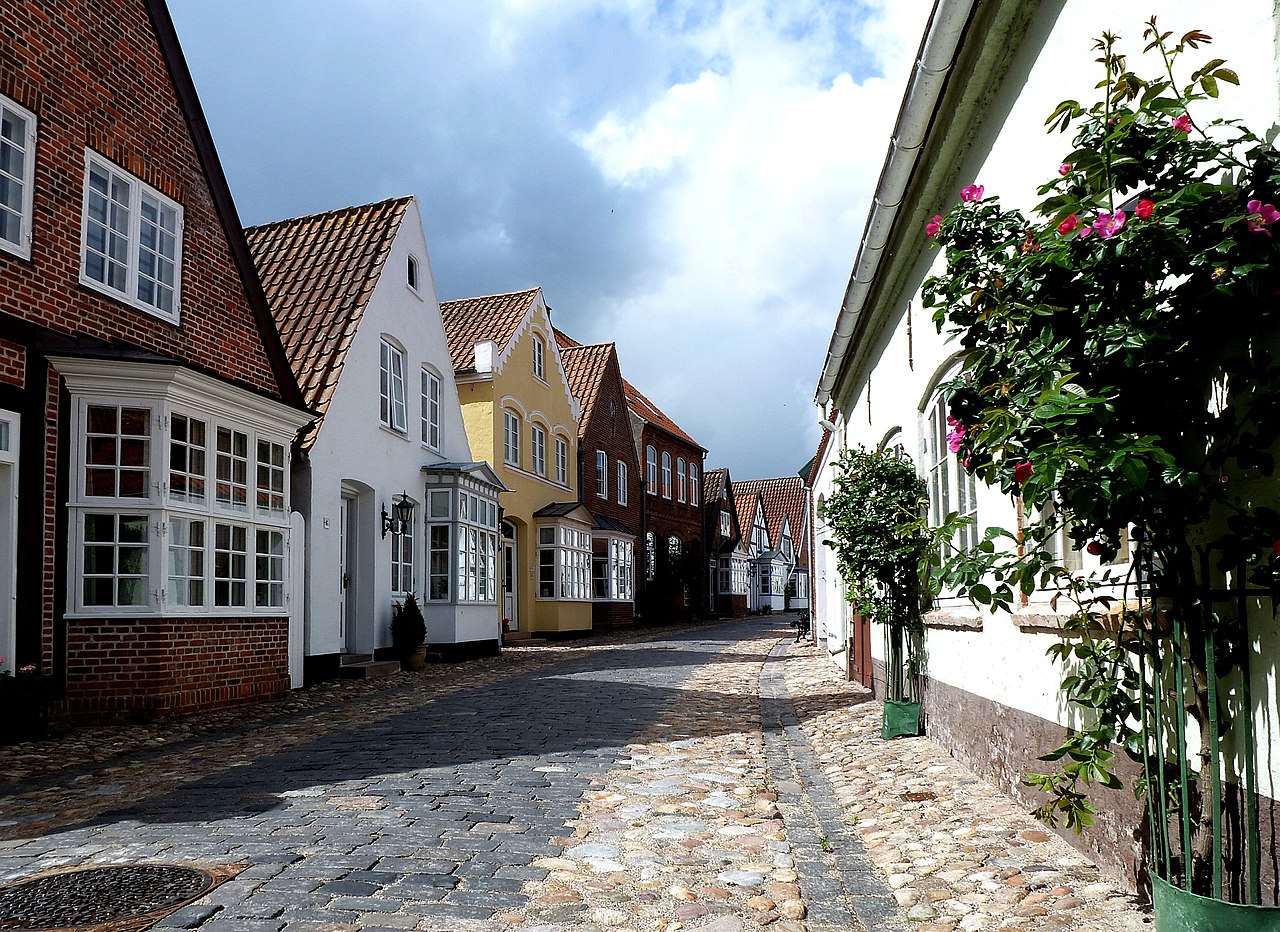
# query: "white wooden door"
[344,570]
[8,537]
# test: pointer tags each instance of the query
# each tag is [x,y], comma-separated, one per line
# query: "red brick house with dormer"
[609,479]
[674,582]
[147,411]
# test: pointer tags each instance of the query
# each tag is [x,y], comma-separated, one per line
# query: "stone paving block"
[242,925]
[372,904]
[189,917]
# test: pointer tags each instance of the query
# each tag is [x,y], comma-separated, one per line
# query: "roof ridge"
[496,294]
[402,198]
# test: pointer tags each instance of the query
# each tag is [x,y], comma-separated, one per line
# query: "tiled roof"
[745,505]
[564,341]
[644,408]
[812,478]
[712,484]
[584,368]
[318,273]
[783,496]
[469,321]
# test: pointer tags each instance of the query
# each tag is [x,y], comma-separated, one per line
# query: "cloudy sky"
[686,178]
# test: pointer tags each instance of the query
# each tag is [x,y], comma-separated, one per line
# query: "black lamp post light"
[398,522]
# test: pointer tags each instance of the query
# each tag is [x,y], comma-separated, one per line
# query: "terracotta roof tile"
[318,273]
[584,369]
[712,484]
[783,496]
[469,321]
[817,458]
[643,408]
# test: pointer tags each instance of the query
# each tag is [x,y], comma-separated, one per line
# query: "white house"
[392,500]
[988,74]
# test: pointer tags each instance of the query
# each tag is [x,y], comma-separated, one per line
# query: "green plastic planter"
[1179,910]
[901,719]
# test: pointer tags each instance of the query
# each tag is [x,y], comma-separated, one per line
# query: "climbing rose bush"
[1120,375]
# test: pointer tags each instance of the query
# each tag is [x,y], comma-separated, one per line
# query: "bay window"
[564,562]
[146,538]
[462,546]
[612,569]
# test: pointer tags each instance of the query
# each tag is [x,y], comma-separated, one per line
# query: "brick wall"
[167,666]
[13,363]
[94,75]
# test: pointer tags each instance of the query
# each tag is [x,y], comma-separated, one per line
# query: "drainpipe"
[947,26]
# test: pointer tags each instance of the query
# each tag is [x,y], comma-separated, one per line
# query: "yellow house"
[522,418]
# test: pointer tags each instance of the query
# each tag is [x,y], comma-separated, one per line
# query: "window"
[725,526]
[402,557]
[651,470]
[231,487]
[693,484]
[611,569]
[539,450]
[392,388]
[539,358]
[269,490]
[562,461]
[431,409]
[17,174]
[666,475]
[564,563]
[602,474]
[682,481]
[117,557]
[462,530]
[132,246]
[650,555]
[622,483]
[411,272]
[146,535]
[511,438]
[951,486]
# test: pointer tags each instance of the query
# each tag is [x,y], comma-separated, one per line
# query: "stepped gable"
[469,321]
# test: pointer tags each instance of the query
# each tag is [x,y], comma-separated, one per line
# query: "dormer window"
[539,358]
[411,273]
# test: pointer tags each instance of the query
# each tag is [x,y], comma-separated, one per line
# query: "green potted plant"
[409,633]
[24,698]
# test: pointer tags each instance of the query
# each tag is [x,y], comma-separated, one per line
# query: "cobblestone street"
[716,777]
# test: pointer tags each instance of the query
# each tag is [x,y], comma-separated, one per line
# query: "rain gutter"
[947,26]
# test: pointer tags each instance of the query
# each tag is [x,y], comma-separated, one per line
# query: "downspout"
[947,25]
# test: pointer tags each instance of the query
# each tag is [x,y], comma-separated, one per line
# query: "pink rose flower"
[1108,225]
[1070,225]
[1086,232]
[1022,472]
[1065,168]
[1144,209]
[1181,124]
[1260,216]
[934,226]
[971,192]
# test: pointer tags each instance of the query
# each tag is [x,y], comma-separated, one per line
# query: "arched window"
[539,437]
[682,480]
[511,438]
[666,475]
[693,484]
[951,486]
[651,470]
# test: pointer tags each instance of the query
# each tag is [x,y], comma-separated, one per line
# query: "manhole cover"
[98,895]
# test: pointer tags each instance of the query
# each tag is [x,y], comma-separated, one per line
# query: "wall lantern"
[401,518]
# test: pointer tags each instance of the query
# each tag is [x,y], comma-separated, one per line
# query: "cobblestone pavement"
[658,781]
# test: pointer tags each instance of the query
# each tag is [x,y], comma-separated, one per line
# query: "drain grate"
[99,895]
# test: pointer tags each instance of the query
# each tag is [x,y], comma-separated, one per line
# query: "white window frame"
[462,545]
[411,273]
[951,487]
[651,470]
[538,445]
[666,474]
[693,484]
[403,579]
[613,571]
[511,438]
[431,398]
[682,480]
[131,232]
[177,566]
[564,563]
[562,461]
[25,178]
[602,474]
[622,482]
[539,357]
[391,411]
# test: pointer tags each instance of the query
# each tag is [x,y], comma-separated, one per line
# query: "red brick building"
[609,478]
[674,581]
[147,411]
